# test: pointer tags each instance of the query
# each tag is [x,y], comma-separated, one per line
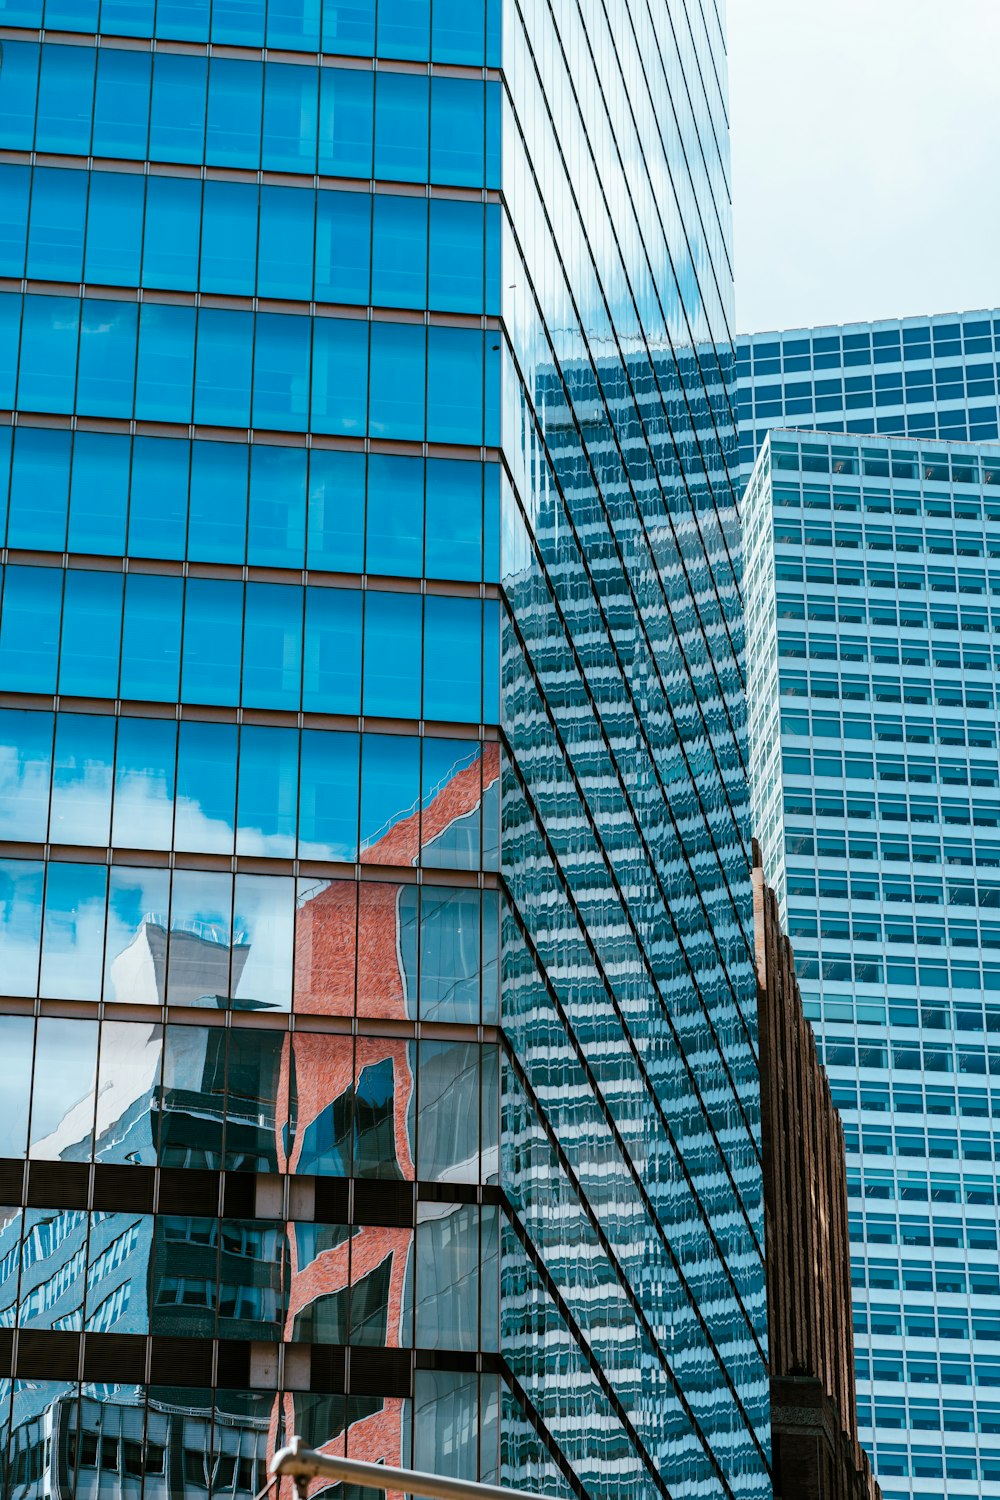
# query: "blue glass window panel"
[151,638]
[456,256]
[21,882]
[127,17]
[138,901]
[452,659]
[184,20]
[213,619]
[398,366]
[457,131]
[229,238]
[450,842]
[25,775]
[491,394]
[235,102]
[291,103]
[401,126]
[239,21]
[114,229]
[343,246]
[458,32]
[166,363]
[264,911]
[395,521]
[349,27]
[65,99]
[491,661]
[345,122]
[332,666]
[23,13]
[294,24]
[10,329]
[6,435]
[267,792]
[449,954]
[106,377]
[277,529]
[15,187]
[339,376]
[81,779]
[493,106]
[29,629]
[454,385]
[177,110]
[205,818]
[454,525]
[272,651]
[58,216]
[281,372]
[492,298]
[404,28]
[145,769]
[91,639]
[224,366]
[72,953]
[392,655]
[121,103]
[217,524]
[39,489]
[19,95]
[399,251]
[390,786]
[336,511]
[158,501]
[287,235]
[328,796]
[170,246]
[201,907]
[71,15]
[98,504]
[47,371]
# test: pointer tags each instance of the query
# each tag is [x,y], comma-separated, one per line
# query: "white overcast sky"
[866,158]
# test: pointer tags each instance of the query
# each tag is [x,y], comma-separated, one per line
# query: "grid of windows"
[874,730]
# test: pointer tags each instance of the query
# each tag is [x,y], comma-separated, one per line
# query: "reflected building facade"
[378,999]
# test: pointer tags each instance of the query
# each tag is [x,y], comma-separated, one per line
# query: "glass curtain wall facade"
[378,999]
[873,601]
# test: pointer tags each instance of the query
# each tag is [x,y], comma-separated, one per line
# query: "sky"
[866,158]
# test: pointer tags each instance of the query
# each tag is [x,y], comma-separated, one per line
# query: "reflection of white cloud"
[24,794]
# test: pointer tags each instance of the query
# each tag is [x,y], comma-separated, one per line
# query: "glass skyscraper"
[377,1007]
[873,599]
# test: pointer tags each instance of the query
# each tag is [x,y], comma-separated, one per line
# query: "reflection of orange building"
[353,1098]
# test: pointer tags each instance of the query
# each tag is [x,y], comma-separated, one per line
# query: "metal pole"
[304,1464]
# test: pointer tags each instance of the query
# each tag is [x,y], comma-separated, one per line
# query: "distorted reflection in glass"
[387,950]
[53,1268]
[449,954]
[25,773]
[206,787]
[21,886]
[145,770]
[447,1278]
[253,1081]
[185,1284]
[390,799]
[17,1041]
[325,941]
[202,939]
[448,1131]
[263,940]
[321,1105]
[135,957]
[10,1264]
[446,1423]
[450,800]
[489,1119]
[128,1085]
[193,1097]
[178,1442]
[111,1453]
[241,1442]
[41,1456]
[384,1108]
[119,1253]
[62,1097]
[73,934]
[81,779]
